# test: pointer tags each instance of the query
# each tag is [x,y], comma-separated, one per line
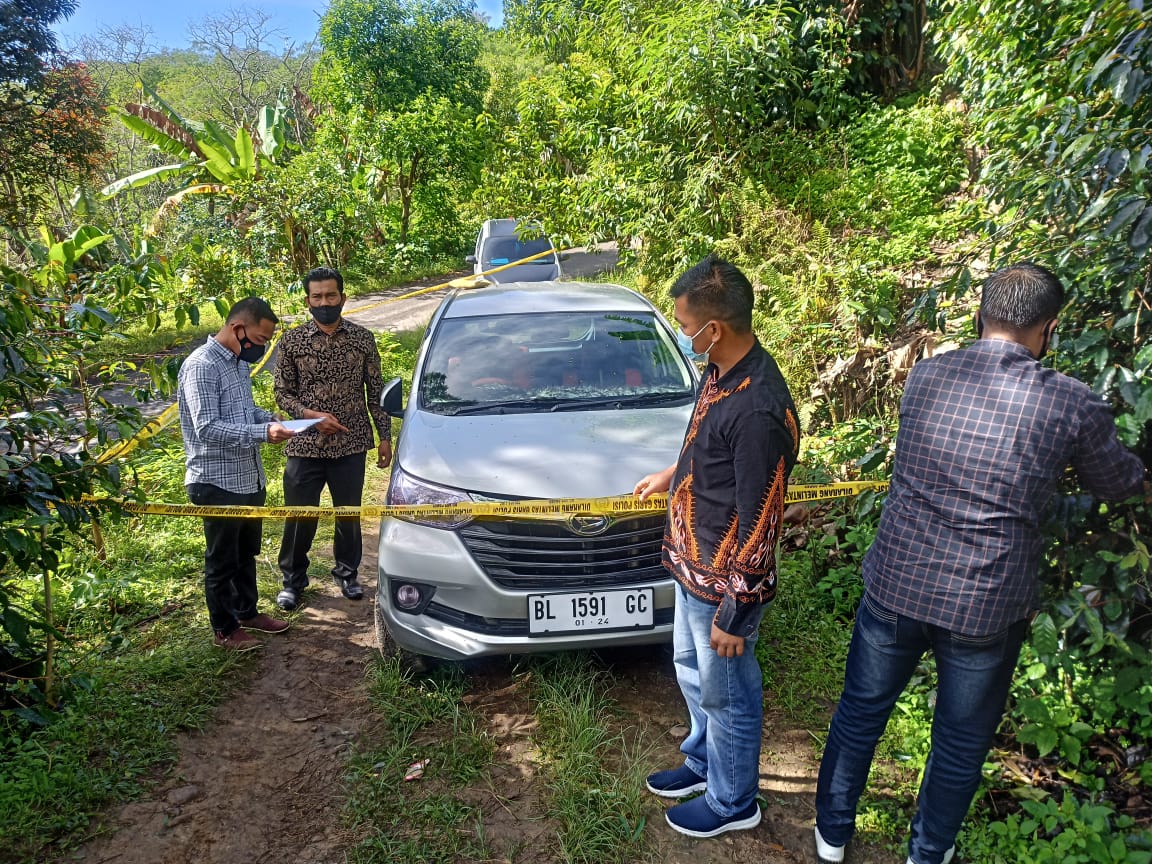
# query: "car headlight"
[406,490]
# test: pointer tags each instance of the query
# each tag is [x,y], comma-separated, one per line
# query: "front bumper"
[470,615]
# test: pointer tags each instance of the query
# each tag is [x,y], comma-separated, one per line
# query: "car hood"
[525,273]
[570,454]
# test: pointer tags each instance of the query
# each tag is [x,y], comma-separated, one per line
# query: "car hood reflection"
[563,455]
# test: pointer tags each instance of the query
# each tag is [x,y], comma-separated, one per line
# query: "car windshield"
[505,250]
[555,361]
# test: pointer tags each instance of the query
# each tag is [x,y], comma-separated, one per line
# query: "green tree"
[406,78]
[382,55]
[55,416]
[661,112]
[50,113]
[1061,103]
[212,161]
[420,154]
[319,208]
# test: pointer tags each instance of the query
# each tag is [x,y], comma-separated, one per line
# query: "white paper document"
[299,425]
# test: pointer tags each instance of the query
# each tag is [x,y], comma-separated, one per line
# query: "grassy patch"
[357,284]
[398,353]
[596,797]
[593,780]
[115,725]
[137,667]
[801,651]
[418,821]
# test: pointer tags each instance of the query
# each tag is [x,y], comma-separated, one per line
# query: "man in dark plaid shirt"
[985,434]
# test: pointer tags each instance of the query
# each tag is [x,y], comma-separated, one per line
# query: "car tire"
[418,664]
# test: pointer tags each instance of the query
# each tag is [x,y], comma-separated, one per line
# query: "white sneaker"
[827,853]
[947,855]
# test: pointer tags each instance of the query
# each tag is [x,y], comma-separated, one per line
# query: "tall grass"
[419,720]
[595,785]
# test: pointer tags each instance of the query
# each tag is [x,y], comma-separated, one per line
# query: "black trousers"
[304,480]
[230,550]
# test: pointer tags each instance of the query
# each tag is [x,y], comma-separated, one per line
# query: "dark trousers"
[304,480]
[230,549]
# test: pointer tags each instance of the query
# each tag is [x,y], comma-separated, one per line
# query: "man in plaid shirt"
[985,434]
[223,430]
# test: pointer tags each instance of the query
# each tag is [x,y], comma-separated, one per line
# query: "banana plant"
[209,158]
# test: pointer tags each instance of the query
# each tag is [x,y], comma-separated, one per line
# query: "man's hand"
[654,483]
[278,434]
[384,454]
[725,644]
[328,424]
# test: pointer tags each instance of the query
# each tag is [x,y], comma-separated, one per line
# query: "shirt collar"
[218,351]
[743,365]
[1003,346]
[315,328]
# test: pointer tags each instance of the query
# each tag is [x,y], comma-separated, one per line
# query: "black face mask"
[250,352]
[326,315]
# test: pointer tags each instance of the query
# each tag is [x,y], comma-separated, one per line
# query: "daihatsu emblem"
[588,526]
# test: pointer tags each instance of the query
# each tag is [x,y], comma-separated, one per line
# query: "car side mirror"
[470,259]
[392,398]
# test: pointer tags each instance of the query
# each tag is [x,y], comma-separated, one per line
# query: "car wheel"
[389,650]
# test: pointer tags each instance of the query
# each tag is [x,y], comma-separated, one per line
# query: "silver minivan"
[502,241]
[532,391]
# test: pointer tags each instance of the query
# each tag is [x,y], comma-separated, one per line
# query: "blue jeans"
[974,675]
[726,704]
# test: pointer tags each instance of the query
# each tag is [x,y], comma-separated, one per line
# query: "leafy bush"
[1051,832]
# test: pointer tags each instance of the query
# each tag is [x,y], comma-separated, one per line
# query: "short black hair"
[323,274]
[1021,296]
[251,310]
[717,289]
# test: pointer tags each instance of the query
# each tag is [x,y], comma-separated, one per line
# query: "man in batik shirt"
[725,510]
[328,369]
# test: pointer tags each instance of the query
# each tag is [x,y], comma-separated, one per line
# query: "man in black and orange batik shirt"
[725,508]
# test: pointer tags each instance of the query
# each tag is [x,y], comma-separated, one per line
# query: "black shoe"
[350,587]
[288,599]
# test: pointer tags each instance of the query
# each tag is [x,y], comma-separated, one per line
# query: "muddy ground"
[263,782]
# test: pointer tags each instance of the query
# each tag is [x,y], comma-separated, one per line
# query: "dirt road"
[264,781]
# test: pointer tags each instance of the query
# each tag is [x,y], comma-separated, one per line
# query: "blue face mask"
[685,342]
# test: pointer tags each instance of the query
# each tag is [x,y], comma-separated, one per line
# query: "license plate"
[587,611]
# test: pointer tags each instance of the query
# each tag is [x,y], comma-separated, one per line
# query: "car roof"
[500,227]
[527,297]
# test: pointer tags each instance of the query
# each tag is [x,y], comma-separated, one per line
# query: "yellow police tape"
[479,509]
[164,419]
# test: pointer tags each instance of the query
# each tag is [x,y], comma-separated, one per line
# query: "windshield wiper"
[619,402]
[499,407]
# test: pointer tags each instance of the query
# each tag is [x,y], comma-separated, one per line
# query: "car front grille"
[528,554]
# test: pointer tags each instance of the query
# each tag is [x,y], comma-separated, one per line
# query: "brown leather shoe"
[237,640]
[265,624]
